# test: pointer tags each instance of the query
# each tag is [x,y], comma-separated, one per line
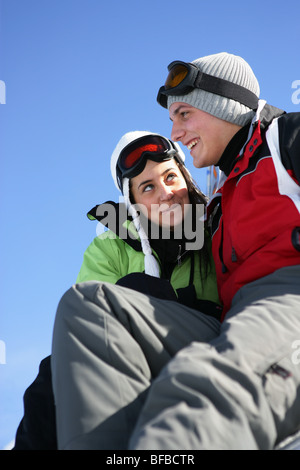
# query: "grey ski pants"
[171,378]
[109,343]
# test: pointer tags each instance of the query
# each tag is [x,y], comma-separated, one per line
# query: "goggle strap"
[222,87]
[211,84]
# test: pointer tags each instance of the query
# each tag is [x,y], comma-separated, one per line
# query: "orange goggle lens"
[176,75]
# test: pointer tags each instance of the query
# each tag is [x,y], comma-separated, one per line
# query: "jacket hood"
[267,114]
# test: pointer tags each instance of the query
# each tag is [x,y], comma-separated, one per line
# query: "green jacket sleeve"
[101,261]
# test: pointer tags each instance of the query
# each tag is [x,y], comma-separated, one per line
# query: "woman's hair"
[197,197]
[195,194]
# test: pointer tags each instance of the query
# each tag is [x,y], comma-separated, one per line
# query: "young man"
[241,391]
[255,217]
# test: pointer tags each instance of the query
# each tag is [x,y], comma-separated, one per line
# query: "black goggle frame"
[166,151]
[194,78]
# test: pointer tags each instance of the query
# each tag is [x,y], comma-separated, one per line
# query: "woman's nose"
[166,193]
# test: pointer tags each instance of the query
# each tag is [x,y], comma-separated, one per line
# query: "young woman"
[158,231]
[155,244]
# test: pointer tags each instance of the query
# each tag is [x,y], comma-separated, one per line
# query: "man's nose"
[177,132]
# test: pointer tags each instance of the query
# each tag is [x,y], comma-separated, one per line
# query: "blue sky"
[78,74]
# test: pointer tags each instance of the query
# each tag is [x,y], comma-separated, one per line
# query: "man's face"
[206,136]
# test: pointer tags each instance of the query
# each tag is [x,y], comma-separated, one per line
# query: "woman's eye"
[171,176]
[147,188]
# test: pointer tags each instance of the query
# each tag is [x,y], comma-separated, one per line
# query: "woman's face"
[161,192]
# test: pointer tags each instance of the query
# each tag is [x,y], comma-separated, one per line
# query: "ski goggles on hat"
[133,157]
[184,77]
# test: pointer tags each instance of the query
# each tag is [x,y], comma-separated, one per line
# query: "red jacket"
[255,214]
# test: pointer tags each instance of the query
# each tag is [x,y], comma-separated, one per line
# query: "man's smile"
[192,144]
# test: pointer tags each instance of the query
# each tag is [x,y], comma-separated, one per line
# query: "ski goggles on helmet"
[184,77]
[132,159]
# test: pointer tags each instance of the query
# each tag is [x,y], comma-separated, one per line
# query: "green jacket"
[109,258]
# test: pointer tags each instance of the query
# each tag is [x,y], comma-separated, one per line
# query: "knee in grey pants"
[242,391]
[108,344]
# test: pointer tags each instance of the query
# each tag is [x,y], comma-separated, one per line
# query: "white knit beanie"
[151,264]
[229,67]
